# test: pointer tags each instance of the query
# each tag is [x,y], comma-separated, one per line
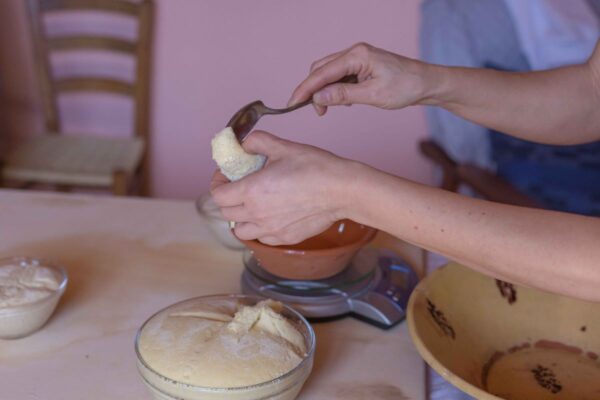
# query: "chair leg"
[143,175]
[438,155]
[449,181]
[119,184]
[143,183]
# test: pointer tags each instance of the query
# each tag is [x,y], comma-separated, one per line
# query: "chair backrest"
[482,182]
[139,49]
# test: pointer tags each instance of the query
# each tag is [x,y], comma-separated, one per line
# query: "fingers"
[296,232]
[235,213]
[300,94]
[330,69]
[228,194]
[224,192]
[321,110]
[319,63]
[270,240]
[293,234]
[218,179]
[247,231]
[260,142]
[345,94]
[304,229]
[333,71]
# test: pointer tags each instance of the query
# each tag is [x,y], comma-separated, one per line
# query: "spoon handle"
[346,79]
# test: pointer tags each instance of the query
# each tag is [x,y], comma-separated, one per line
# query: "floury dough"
[231,158]
[21,285]
[210,346]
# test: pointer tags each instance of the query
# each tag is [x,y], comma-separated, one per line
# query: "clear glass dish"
[218,225]
[22,320]
[285,387]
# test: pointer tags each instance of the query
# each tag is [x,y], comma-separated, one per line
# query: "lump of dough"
[22,285]
[265,317]
[205,345]
[231,158]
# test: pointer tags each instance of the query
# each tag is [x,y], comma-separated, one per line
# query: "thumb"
[218,179]
[344,94]
[261,142]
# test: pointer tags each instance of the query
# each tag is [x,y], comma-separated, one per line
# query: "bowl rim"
[427,355]
[43,263]
[239,389]
[368,235]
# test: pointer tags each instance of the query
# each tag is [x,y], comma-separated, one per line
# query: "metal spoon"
[244,120]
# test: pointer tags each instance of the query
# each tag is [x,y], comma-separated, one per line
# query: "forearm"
[559,106]
[548,250]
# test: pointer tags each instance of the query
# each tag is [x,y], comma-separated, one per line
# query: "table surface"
[127,258]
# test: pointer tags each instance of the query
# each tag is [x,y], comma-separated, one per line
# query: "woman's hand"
[300,192]
[385,80]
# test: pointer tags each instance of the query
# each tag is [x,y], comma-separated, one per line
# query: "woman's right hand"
[385,80]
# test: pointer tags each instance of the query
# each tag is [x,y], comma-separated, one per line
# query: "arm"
[302,190]
[517,244]
[560,106]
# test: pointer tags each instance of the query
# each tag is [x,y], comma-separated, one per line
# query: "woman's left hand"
[299,193]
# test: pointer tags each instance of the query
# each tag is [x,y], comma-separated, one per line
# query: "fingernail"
[321,97]
[292,101]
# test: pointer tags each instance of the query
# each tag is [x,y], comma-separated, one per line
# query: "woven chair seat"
[73,160]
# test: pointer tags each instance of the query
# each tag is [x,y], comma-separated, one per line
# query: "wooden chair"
[485,183]
[117,164]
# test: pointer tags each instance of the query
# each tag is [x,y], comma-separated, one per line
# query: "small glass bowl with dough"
[218,225]
[17,321]
[284,387]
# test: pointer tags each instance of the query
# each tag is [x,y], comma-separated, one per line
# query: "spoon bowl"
[246,118]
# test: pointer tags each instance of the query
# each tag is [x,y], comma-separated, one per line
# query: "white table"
[127,258]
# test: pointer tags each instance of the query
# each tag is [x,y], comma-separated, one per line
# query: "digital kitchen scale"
[375,288]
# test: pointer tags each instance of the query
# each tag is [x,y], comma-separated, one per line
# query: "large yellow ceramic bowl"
[495,340]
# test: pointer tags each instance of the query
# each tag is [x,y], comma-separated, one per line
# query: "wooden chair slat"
[68,43]
[116,6]
[85,84]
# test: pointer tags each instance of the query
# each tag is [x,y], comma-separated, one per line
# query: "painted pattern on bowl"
[496,340]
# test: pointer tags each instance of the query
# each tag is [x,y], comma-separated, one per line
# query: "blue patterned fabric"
[563,178]
[481,34]
[470,34]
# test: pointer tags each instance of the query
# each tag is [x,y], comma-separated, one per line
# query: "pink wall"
[209,61]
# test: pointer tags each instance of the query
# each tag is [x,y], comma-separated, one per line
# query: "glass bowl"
[218,225]
[285,387]
[24,319]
